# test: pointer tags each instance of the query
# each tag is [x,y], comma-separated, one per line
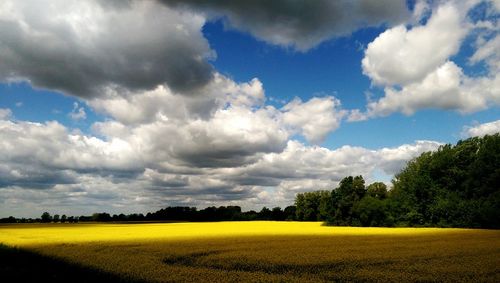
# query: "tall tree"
[46,217]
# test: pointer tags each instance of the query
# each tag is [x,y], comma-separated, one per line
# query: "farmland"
[265,251]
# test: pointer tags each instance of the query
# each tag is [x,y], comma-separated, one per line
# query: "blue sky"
[207,104]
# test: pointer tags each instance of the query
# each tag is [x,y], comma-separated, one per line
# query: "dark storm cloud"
[227,158]
[299,23]
[33,177]
[222,192]
[81,47]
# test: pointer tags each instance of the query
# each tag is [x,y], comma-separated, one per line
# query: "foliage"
[46,217]
[455,186]
[312,206]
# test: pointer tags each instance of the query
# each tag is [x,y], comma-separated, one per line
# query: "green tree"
[377,190]
[454,186]
[313,206]
[350,191]
[46,217]
[371,211]
[290,212]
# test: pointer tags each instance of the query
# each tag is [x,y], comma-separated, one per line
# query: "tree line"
[171,213]
[455,186]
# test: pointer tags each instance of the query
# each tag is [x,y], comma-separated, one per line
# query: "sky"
[132,106]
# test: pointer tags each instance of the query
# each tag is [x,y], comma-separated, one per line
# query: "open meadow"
[265,251]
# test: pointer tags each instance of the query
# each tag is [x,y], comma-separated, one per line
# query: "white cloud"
[5,113]
[314,118]
[400,56]
[51,145]
[239,154]
[445,88]
[482,129]
[162,103]
[487,50]
[78,113]
[300,161]
[414,66]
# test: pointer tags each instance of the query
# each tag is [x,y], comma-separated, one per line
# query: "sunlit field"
[266,251]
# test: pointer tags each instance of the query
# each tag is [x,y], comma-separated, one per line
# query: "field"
[264,251]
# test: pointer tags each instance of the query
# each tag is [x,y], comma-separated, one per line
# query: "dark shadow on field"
[198,260]
[19,265]
[425,259]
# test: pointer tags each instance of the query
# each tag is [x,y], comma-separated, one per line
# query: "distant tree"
[265,214]
[350,191]
[307,206]
[101,217]
[64,218]
[377,190]
[371,211]
[10,219]
[277,214]
[325,206]
[249,215]
[46,217]
[300,206]
[56,218]
[290,212]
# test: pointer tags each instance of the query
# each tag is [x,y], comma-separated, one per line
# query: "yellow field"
[267,251]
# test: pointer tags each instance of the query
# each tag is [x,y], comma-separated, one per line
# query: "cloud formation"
[150,165]
[400,56]
[316,118]
[84,47]
[77,113]
[415,66]
[481,129]
[178,132]
[300,24]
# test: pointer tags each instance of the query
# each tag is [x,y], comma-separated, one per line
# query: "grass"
[265,251]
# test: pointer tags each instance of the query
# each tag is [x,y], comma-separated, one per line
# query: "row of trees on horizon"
[171,213]
[455,186]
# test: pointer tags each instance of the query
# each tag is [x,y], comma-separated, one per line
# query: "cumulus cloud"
[315,118]
[401,56]
[162,103]
[481,129]
[445,88]
[228,125]
[135,61]
[51,145]
[78,113]
[5,113]
[298,161]
[239,154]
[415,68]
[90,48]
[83,47]
[300,24]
